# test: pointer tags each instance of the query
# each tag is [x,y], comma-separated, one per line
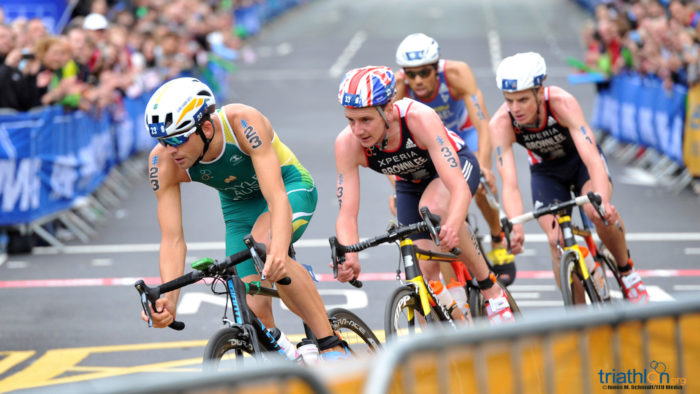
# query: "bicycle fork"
[414,277]
[570,245]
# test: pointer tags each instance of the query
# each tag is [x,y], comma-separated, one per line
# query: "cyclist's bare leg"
[490,214]
[550,226]
[301,295]
[612,235]
[436,197]
[432,269]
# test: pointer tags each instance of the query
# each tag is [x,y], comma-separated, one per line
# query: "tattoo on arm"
[153,174]
[447,153]
[499,156]
[585,134]
[251,135]
[479,112]
[339,190]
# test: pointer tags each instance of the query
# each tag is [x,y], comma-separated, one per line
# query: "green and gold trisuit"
[242,202]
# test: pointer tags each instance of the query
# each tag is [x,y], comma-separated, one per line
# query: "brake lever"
[337,258]
[507,227]
[257,260]
[597,202]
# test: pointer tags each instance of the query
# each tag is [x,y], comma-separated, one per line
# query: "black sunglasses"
[424,72]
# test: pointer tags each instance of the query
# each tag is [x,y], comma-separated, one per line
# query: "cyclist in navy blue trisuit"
[549,123]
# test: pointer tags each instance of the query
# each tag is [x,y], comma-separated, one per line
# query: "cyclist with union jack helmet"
[432,166]
[563,153]
[263,188]
[449,87]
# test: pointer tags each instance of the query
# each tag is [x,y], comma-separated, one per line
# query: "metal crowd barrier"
[618,349]
[621,348]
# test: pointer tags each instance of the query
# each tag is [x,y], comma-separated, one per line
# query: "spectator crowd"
[652,37]
[115,49]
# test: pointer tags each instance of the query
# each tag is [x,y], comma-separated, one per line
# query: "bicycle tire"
[511,301]
[567,272]
[226,350]
[569,275]
[353,330]
[403,301]
[476,302]
[608,261]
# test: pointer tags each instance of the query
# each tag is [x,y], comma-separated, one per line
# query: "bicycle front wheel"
[228,349]
[353,330]
[403,313]
[571,278]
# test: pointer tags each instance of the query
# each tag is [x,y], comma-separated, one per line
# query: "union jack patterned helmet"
[367,87]
[178,106]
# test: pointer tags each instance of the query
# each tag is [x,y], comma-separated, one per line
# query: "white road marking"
[686,287]
[691,251]
[323,243]
[101,262]
[338,68]
[191,301]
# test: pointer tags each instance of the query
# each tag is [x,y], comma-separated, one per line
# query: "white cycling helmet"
[178,106]
[417,50]
[521,71]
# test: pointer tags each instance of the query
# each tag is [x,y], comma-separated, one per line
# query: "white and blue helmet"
[521,71]
[417,50]
[178,106]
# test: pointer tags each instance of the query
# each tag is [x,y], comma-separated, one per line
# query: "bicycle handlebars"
[255,250]
[594,198]
[430,223]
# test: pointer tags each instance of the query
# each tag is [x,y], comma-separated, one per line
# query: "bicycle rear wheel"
[353,330]
[228,349]
[403,314]
[608,262]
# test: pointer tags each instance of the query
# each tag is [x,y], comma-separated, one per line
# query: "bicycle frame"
[414,277]
[568,230]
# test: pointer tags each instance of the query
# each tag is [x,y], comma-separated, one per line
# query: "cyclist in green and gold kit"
[263,188]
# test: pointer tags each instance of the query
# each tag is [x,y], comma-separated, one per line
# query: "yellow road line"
[13,358]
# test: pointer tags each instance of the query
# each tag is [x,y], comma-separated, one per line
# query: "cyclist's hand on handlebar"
[610,212]
[449,236]
[350,269]
[275,268]
[517,238]
[166,315]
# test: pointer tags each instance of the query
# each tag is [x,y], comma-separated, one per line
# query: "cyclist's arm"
[463,85]
[347,187]
[430,134]
[347,162]
[165,178]
[571,115]
[401,87]
[503,138]
[255,139]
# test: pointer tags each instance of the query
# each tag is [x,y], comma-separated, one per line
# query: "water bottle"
[460,297]
[596,273]
[445,298]
[308,351]
[287,348]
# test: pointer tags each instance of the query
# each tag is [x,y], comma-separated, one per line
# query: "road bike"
[244,333]
[414,304]
[574,272]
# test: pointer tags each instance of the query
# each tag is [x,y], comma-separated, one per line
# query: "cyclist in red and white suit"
[563,153]
[434,169]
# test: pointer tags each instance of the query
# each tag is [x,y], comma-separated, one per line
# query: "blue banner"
[640,110]
[49,11]
[51,157]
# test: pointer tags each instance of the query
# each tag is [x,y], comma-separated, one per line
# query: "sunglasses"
[424,72]
[177,140]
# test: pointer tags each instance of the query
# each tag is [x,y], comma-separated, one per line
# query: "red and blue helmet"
[368,86]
